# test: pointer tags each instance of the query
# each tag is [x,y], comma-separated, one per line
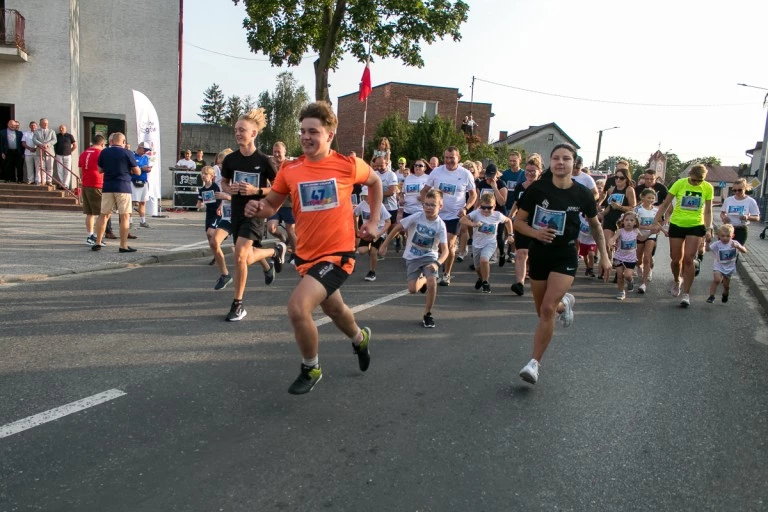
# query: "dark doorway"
[7,111]
[102,126]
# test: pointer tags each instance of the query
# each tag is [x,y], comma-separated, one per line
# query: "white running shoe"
[675,291]
[530,372]
[641,289]
[566,317]
[686,300]
[621,295]
[650,275]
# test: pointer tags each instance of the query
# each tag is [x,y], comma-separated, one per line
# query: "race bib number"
[628,245]
[617,198]
[584,228]
[487,229]
[208,196]
[318,195]
[226,212]
[690,203]
[248,177]
[646,221]
[549,219]
[736,210]
[727,255]
[412,189]
[447,189]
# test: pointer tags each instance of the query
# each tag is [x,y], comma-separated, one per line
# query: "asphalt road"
[640,405]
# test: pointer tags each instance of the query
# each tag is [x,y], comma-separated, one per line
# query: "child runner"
[486,221]
[625,255]
[370,247]
[724,250]
[587,247]
[426,248]
[549,215]
[646,240]
[320,184]
[206,196]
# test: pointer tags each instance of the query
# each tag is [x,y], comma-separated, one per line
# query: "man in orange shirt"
[320,185]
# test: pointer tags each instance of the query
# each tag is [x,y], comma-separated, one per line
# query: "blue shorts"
[452,226]
[285,215]
[223,225]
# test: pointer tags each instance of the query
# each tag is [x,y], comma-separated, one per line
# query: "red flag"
[365,83]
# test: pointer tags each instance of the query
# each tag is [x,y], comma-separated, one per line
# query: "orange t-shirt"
[322,204]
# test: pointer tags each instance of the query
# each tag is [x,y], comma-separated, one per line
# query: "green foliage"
[430,137]
[610,164]
[674,168]
[249,103]
[234,110]
[282,109]
[486,153]
[286,31]
[398,131]
[213,110]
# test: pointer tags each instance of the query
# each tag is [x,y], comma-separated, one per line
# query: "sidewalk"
[753,266]
[36,244]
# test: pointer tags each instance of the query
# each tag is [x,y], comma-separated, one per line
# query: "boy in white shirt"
[425,250]
[485,220]
[363,209]
[724,251]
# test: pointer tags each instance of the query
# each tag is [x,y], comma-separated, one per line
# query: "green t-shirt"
[689,202]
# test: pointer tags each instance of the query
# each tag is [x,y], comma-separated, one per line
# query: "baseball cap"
[401,160]
[144,145]
[491,170]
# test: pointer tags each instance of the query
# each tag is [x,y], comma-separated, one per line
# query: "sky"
[680,59]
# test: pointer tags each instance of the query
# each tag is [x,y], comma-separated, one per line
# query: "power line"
[236,56]
[630,103]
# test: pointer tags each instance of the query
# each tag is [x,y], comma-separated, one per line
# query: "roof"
[210,138]
[717,173]
[758,147]
[522,134]
[402,83]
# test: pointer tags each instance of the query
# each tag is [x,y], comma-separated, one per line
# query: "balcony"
[12,36]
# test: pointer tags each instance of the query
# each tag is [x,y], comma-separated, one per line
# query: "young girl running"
[486,221]
[587,247]
[625,255]
[724,252]
[646,240]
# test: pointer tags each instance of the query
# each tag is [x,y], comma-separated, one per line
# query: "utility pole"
[761,171]
[599,142]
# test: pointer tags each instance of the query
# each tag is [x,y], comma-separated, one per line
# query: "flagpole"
[365,120]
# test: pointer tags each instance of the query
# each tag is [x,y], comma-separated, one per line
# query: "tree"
[674,168]
[214,106]
[398,131]
[609,164]
[282,109]
[430,137]
[286,31]
[234,110]
[249,103]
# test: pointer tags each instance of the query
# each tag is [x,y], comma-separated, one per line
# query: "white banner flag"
[148,130]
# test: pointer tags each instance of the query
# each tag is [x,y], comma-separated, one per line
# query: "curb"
[747,274]
[148,260]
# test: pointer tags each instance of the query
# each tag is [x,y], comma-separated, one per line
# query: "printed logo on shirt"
[318,195]
[487,229]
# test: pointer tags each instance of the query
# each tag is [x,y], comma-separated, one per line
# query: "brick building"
[412,102]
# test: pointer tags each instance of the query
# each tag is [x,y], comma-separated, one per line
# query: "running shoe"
[675,291]
[279,257]
[397,244]
[309,376]
[486,287]
[370,276]
[223,281]
[566,317]
[589,273]
[641,289]
[269,274]
[493,259]
[428,321]
[478,284]
[213,260]
[144,225]
[237,312]
[696,266]
[711,299]
[362,350]
[502,259]
[91,240]
[445,280]
[471,266]
[621,295]
[423,288]
[530,372]
[650,275]
[630,285]
[518,288]
[686,300]
[459,258]
[725,297]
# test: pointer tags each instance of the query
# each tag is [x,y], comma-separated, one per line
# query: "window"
[551,137]
[420,108]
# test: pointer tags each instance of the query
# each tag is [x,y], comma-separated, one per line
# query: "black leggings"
[740,234]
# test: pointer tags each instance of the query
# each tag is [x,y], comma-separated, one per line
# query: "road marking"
[195,245]
[59,412]
[362,307]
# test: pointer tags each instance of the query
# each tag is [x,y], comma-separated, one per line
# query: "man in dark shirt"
[11,152]
[117,164]
[650,182]
[65,145]
[199,162]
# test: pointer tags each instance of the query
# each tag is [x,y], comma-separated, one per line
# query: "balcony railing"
[12,29]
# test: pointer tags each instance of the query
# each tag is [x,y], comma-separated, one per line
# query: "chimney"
[502,135]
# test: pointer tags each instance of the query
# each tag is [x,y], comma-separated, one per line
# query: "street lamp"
[599,142]
[763,157]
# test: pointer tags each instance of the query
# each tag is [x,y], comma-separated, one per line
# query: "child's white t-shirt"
[485,235]
[424,236]
[364,210]
[724,256]
[646,219]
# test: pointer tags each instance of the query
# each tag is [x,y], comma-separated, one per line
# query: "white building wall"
[540,143]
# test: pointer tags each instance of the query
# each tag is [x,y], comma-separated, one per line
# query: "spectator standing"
[187,161]
[11,157]
[139,183]
[65,145]
[199,162]
[44,140]
[117,164]
[92,181]
[31,172]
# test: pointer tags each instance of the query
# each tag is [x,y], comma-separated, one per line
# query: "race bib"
[318,195]
[584,228]
[628,245]
[736,210]
[208,196]
[690,203]
[447,189]
[646,221]
[411,189]
[549,219]
[619,198]
[727,255]
[487,229]
[226,212]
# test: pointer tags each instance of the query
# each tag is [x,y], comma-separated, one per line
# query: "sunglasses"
[418,165]
[620,177]
[738,189]
[486,207]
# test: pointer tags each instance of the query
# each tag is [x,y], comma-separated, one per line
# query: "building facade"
[411,101]
[80,61]
[537,139]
